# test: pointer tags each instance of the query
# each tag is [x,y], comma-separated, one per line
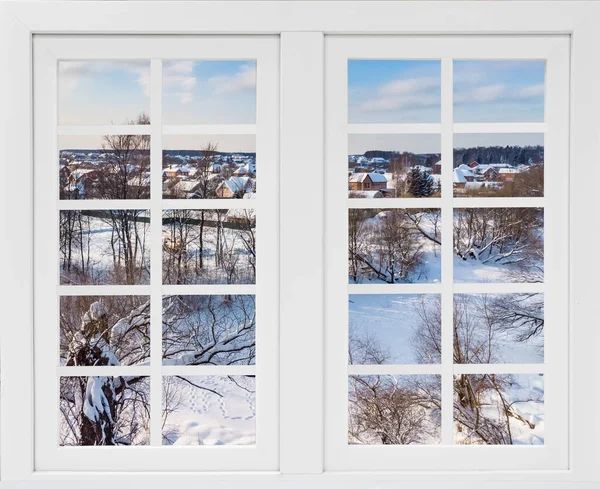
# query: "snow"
[360,177]
[202,417]
[389,319]
[526,397]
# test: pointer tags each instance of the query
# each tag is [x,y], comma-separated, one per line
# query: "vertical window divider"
[156,252]
[447,394]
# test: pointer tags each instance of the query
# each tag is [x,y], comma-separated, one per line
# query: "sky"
[413,143]
[409,91]
[194,92]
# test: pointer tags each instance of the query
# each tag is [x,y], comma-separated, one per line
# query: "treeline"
[426,159]
[513,155]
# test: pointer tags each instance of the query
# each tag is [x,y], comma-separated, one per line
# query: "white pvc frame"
[302,26]
[48,52]
[555,204]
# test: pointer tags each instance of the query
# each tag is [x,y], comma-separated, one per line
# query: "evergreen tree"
[420,183]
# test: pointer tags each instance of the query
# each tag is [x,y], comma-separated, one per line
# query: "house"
[367,181]
[175,171]
[473,164]
[235,187]
[186,189]
[507,174]
[462,175]
[437,168]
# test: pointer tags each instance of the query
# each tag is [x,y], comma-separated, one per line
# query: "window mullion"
[301,293]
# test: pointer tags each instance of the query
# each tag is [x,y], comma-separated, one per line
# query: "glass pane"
[122,405]
[499,91]
[104,167]
[499,328]
[209,246]
[394,329]
[491,409]
[394,409]
[209,167]
[106,330]
[103,92]
[209,92]
[498,165]
[209,410]
[209,330]
[394,165]
[104,247]
[499,245]
[394,91]
[394,245]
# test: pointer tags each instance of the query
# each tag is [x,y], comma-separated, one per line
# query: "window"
[445,322]
[160,245]
[200,286]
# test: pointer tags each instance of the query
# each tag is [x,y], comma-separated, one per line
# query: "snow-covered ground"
[390,320]
[98,255]
[473,271]
[214,411]
[526,397]
[236,266]
[428,269]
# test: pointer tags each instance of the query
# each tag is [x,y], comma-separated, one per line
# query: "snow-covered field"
[101,264]
[389,243]
[525,394]
[233,264]
[391,321]
[209,410]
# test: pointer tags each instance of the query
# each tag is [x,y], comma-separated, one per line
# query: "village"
[186,175]
[379,177]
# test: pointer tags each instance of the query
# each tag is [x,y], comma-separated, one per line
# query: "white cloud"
[531,91]
[72,73]
[404,94]
[408,86]
[244,79]
[486,93]
[178,78]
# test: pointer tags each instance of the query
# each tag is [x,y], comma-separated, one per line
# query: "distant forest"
[513,155]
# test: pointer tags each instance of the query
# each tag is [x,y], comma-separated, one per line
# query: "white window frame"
[302,27]
[555,204]
[48,52]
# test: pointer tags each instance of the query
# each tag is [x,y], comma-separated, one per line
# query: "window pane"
[209,410]
[503,409]
[106,330]
[394,329]
[121,404]
[104,167]
[103,92]
[400,91]
[209,167]
[209,246]
[499,245]
[394,409]
[209,92]
[499,328]
[499,91]
[209,330]
[394,245]
[394,165]
[104,247]
[498,165]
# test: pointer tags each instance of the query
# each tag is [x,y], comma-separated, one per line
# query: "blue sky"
[194,92]
[209,92]
[409,91]
[102,92]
